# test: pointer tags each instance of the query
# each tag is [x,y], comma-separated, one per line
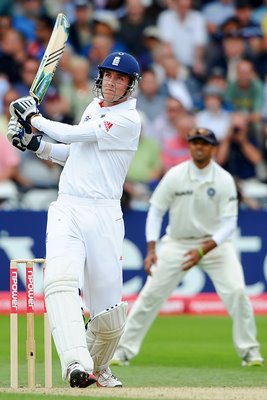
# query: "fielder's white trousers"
[225,271]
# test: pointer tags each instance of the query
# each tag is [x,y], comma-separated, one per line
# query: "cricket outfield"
[183,358]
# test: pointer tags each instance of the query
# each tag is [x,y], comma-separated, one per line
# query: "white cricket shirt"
[196,207]
[101,149]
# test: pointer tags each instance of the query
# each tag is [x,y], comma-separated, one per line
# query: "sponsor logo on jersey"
[184,193]
[89,116]
[108,125]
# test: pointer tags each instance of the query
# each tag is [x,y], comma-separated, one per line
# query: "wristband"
[200,252]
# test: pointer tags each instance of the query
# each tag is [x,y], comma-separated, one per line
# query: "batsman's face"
[201,152]
[114,86]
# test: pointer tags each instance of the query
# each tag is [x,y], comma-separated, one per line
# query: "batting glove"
[20,134]
[24,108]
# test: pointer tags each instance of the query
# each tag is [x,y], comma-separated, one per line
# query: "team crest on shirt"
[108,125]
[211,192]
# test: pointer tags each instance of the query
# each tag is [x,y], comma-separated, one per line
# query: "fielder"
[202,202]
[85,227]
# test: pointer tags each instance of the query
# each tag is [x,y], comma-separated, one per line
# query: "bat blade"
[51,57]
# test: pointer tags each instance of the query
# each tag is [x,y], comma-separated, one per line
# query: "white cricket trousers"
[83,250]
[224,270]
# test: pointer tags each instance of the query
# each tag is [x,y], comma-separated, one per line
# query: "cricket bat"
[51,57]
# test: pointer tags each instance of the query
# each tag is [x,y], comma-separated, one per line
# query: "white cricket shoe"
[253,358]
[105,378]
[120,359]
[78,377]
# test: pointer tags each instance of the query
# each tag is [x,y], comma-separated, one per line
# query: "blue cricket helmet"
[121,62]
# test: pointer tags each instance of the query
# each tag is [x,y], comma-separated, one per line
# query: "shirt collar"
[129,104]
[203,175]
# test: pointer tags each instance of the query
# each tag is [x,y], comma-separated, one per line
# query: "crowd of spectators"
[204,63]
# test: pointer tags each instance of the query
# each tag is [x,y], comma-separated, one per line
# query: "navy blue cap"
[204,134]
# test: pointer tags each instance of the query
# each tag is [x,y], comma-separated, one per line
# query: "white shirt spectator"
[184,35]
[178,90]
[218,11]
[218,122]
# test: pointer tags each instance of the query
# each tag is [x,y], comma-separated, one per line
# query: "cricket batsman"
[85,227]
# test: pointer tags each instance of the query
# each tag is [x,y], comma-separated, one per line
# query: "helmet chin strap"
[124,96]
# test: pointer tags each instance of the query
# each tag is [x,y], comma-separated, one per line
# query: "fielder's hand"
[150,259]
[24,108]
[192,258]
[20,134]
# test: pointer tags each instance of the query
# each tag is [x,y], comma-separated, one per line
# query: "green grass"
[193,351]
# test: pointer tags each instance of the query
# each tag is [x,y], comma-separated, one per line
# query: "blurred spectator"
[25,17]
[9,162]
[10,95]
[243,13]
[185,29]
[55,106]
[105,23]
[151,42]
[164,125]
[231,25]
[42,177]
[259,13]
[6,7]
[132,25]
[63,74]
[101,47]
[5,24]
[177,80]
[243,26]
[12,55]
[28,71]
[264,111]
[161,52]
[80,34]
[253,34]
[240,154]
[258,55]
[213,116]
[145,170]
[217,78]
[66,6]
[78,91]
[44,28]
[246,95]
[116,6]
[4,86]
[150,99]
[176,150]
[216,12]
[37,179]
[155,7]
[232,51]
